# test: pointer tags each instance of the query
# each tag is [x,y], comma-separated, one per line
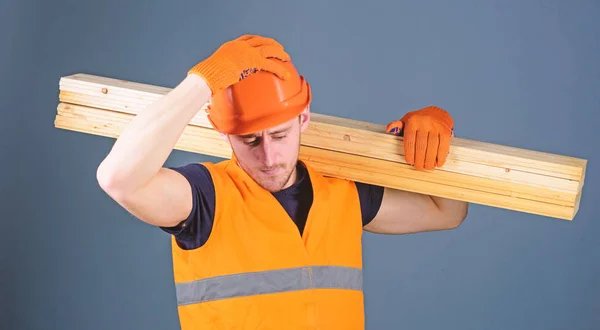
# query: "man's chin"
[273,183]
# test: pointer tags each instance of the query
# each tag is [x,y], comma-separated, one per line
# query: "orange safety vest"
[257,272]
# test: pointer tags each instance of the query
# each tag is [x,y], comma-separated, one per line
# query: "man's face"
[270,156]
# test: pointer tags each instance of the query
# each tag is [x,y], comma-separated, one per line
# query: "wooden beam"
[483,173]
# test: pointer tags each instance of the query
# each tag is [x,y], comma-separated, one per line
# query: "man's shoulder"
[205,169]
[330,180]
[216,173]
[192,169]
[369,196]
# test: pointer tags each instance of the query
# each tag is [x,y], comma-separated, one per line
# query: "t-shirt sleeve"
[370,197]
[195,230]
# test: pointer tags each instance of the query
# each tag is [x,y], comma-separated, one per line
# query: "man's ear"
[304,119]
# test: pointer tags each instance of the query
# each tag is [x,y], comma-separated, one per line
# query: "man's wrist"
[196,82]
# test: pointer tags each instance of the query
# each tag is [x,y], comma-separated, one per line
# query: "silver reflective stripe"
[272,281]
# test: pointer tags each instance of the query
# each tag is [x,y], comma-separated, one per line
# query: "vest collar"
[319,187]
[319,210]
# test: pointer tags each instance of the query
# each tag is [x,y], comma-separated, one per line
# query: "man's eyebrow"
[253,135]
[248,136]
[281,130]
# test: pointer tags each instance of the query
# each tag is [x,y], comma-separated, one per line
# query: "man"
[263,240]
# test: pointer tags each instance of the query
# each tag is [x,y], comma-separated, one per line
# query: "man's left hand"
[427,133]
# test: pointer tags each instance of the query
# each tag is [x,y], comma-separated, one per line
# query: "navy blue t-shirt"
[296,200]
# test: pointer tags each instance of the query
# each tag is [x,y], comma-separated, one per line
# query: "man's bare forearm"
[145,144]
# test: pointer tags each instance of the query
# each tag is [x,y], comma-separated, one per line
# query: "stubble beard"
[274,183]
[271,183]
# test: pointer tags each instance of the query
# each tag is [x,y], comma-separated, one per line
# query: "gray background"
[518,73]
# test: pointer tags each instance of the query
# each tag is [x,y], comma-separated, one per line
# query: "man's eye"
[252,142]
[256,141]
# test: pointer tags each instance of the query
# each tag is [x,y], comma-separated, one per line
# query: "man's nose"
[267,149]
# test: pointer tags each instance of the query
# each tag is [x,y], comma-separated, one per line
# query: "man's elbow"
[458,218]
[105,177]
[108,181]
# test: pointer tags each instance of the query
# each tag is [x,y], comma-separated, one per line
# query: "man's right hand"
[239,58]
[133,173]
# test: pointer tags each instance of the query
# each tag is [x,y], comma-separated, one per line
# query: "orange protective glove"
[427,133]
[239,58]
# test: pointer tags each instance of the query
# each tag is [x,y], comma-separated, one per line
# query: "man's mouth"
[271,170]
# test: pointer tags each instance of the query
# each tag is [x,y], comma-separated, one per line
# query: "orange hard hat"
[258,102]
